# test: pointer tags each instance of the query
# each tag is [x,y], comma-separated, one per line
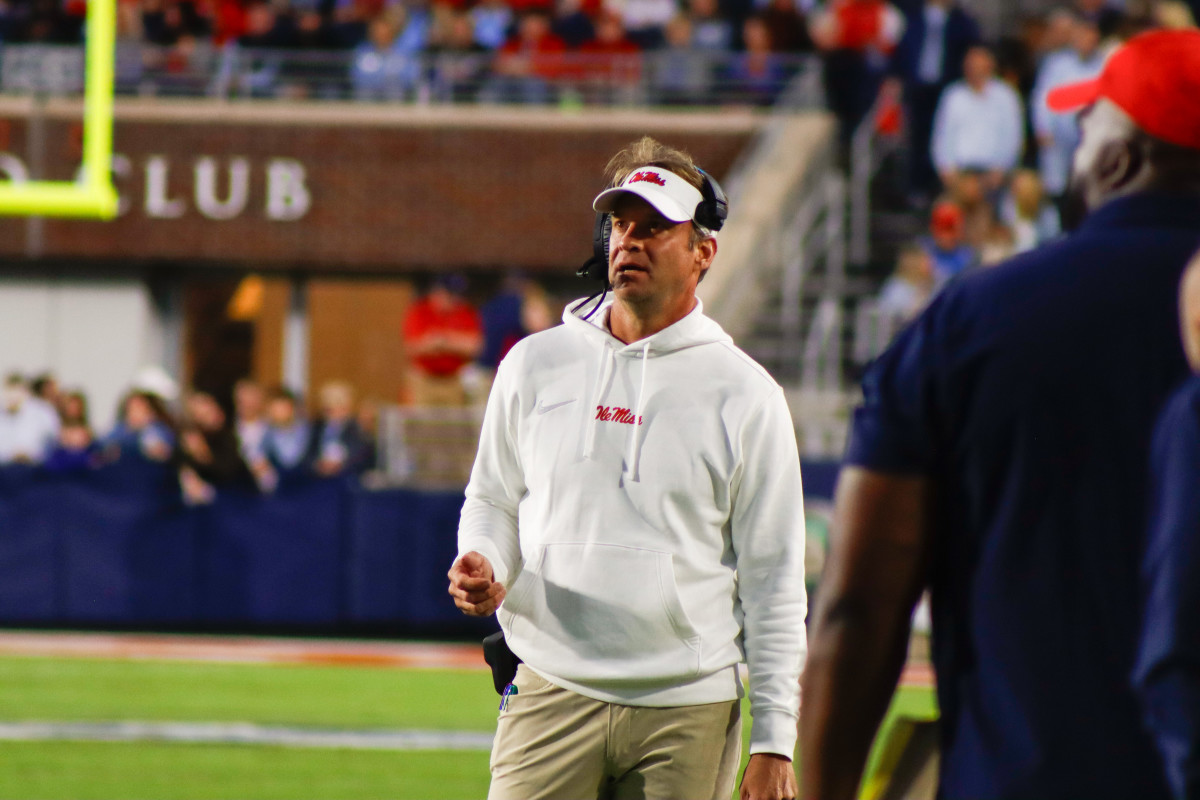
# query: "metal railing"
[868,150]
[428,446]
[654,77]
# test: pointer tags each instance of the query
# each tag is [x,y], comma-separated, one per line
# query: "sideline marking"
[245,649]
[244,733]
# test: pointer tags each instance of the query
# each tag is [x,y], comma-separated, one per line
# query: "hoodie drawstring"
[607,361]
[635,444]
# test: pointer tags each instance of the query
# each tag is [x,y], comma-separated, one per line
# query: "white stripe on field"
[245,733]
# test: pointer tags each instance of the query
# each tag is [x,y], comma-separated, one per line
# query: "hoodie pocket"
[603,613]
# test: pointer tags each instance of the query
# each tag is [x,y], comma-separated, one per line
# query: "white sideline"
[244,733]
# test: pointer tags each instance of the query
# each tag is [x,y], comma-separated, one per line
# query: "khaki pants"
[554,744]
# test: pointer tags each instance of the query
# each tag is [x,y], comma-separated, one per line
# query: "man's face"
[979,67]
[649,260]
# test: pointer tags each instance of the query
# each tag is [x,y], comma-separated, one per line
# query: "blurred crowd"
[987,162]
[490,50]
[259,437]
[266,438]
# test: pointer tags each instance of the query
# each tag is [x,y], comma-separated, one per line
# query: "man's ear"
[1118,165]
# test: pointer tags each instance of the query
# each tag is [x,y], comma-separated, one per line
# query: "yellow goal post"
[94,196]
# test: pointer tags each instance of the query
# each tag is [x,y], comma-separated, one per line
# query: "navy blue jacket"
[960,34]
[1028,392]
[1168,665]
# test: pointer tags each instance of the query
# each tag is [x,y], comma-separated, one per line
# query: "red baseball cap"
[1154,78]
[946,217]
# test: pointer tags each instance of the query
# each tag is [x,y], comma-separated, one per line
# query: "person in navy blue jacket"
[1000,456]
[1168,666]
[929,58]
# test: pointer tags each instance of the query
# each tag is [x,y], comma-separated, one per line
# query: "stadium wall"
[342,187]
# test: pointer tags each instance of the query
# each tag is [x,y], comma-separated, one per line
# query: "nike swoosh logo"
[543,408]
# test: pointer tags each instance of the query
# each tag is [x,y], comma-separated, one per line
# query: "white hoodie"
[642,505]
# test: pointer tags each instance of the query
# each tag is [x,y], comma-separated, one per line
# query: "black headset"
[710,213]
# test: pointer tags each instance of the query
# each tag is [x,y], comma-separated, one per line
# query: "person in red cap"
[1000,458]
[944,244]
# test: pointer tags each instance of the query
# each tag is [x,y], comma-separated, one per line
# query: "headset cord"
[602,294]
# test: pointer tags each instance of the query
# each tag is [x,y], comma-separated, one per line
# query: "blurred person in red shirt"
[610,61]
[857,38]
[443,334]
[529,63]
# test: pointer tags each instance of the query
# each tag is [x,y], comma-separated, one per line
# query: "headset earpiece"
[714,208]
[596,267]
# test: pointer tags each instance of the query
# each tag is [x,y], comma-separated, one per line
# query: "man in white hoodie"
[635,514]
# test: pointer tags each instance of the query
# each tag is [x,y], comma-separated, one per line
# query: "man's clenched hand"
[473,585]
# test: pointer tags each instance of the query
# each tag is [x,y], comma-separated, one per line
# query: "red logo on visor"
[646,177]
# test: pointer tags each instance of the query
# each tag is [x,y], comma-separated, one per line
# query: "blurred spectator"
[384,68]
[528,63]
[1057,133]
[517,310]
[1057,34]
[349,20]
[144,427]
[73,408]
[46,398]
[460,61]
[610,63]
[644,20]
[929,58]
[1101,14]
[287,438]
[207,451]
[249,418]
[442,333]
[710,30]
[998,246]
[944,244]
[266,28]
[367,418]
[45,388]
[970,194]
[338,446]
[76,449]
[1173,15]
[492,20]
[759,72]
[788,27]
[573,21]
[27,429]
[857,38]
[252,63]
[1033,220]
[49,22]
[154,380]
[286,442]
[165,22]
[680,72]
[978,124]
[907,291]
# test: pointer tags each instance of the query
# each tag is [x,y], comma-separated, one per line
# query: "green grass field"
[74,690]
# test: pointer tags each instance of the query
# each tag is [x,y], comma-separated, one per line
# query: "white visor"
[675,198]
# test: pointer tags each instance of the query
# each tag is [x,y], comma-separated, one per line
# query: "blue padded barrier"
[117,547]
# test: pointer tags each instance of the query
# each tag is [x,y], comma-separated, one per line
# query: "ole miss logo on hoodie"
[614,414]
